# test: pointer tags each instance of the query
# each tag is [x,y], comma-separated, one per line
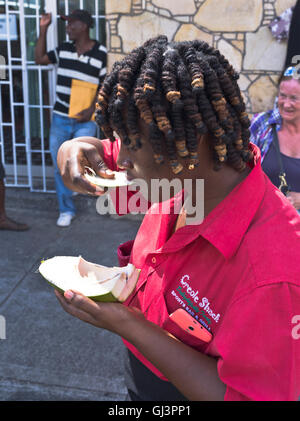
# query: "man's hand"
[85,115]
[76,154]
[40,55]
[45,20]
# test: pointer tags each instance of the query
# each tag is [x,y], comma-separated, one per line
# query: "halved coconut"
[119,180]
[100,283]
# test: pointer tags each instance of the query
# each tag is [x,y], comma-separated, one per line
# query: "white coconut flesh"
[119,180]
[92,280]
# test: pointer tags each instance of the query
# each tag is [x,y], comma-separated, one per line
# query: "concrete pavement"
[45,353]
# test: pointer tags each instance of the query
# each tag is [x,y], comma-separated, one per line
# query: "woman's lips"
[287,111]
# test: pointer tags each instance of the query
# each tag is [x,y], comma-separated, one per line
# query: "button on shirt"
[237,273]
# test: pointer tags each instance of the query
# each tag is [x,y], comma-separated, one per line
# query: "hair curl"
[180,90]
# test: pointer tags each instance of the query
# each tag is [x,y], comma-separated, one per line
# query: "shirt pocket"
[185,337]
[158,313]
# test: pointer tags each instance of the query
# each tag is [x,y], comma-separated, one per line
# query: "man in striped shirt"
[80,60]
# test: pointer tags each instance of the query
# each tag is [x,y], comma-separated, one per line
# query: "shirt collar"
[88,51]
[226,225]
[275,117]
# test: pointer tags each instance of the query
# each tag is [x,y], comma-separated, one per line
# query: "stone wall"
[238,28]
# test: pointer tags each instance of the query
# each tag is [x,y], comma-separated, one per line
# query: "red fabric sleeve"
[124,253]
[258,346]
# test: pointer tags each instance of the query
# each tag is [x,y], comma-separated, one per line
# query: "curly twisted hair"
[180,90]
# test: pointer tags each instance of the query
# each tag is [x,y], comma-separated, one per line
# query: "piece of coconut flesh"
[119,180]
[100,283]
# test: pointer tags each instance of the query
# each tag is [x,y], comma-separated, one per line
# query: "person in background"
[277,133]
[233,272]
[5,222]
[293,46]
[81,59]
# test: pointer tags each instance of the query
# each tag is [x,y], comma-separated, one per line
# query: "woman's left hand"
[294,198]
[109,316]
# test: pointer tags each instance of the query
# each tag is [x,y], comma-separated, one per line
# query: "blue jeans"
[62,129]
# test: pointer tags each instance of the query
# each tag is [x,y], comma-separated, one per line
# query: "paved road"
[45,353]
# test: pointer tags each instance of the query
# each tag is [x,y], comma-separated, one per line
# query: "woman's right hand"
[76,154]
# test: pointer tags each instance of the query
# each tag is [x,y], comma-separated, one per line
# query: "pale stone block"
[282,5]
[252,77]
[230,15]
[150,7]
[189,32]
[183,18]
[115,41]
[262,94]
[275,78]
[245,98]
[186,7]
[164,12]
[117,6]
[243,82]
[238,44]
[135,30]
[229,35]
[263,52]
[111,58]
[138,4]
[231,53]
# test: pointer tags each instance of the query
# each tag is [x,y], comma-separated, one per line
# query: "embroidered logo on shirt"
[189,299]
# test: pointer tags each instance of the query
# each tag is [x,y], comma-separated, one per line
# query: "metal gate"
[27,90]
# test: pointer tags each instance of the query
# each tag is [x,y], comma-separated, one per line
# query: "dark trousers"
[143,385]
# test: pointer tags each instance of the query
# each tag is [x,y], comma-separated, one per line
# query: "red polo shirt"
[239,273]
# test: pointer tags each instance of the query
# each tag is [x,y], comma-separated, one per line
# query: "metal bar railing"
[11,92]
[21,66]
[25,92]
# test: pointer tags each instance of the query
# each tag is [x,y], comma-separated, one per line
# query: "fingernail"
[109,172]
[69,295]
[99,189]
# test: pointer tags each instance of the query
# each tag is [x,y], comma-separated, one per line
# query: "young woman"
[233,276]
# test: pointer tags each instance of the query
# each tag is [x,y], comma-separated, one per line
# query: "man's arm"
[40,54]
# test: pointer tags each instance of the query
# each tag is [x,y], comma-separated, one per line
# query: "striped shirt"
[89,67]
[261,129]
